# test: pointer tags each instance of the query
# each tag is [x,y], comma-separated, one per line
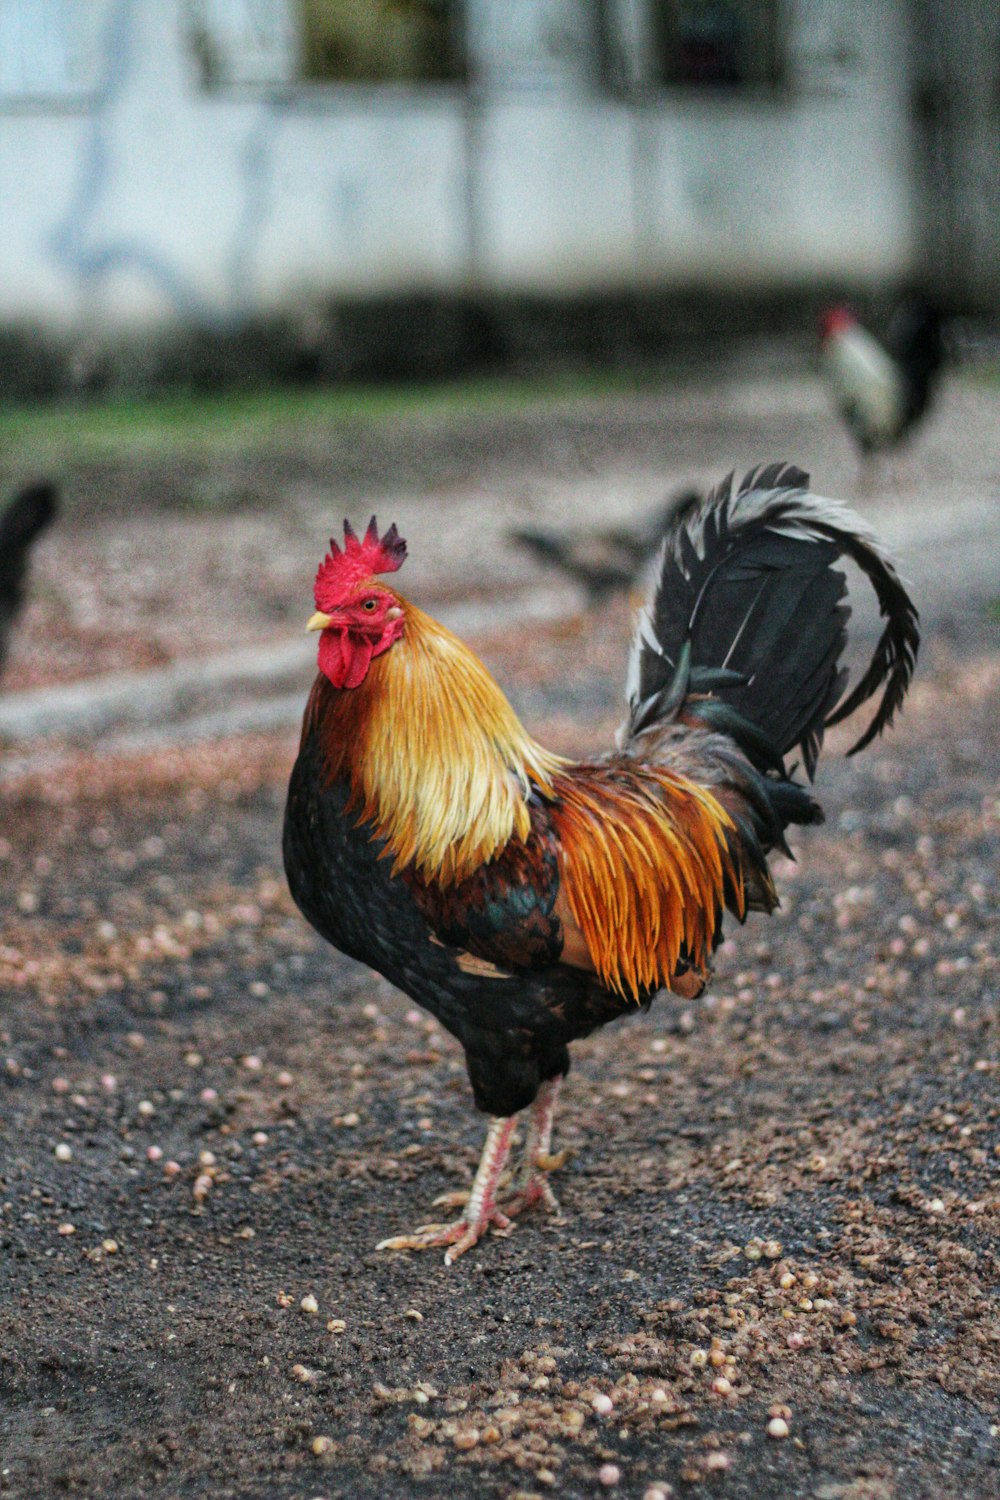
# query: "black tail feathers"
[748,620]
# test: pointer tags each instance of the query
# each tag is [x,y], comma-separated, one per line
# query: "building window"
[381,41]
[716,43]
[703,44]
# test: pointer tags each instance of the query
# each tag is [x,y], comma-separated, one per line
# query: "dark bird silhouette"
[525,899]
[32,509]
[604,561]
[883,390]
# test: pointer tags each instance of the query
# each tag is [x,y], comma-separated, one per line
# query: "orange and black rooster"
[525,899]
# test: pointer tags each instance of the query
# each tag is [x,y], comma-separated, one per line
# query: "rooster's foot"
[481,1211]
[458,1236]
[536,1191]
[533,1186]
[460,1197]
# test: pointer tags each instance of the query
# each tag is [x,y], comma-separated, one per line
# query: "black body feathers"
[916,341]
[31,510]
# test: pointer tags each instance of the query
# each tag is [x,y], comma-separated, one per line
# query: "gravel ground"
[776,1267]
[167,559]
[775,1274]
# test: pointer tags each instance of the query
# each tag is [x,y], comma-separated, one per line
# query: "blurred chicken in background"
[32,509]
[606,561]
[882,391]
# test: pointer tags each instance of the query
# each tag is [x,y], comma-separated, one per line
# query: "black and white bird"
[882,390]
[605,560]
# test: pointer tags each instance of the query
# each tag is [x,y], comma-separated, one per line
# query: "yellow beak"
[319,621]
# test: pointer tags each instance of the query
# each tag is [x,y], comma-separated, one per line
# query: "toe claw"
[458,1199]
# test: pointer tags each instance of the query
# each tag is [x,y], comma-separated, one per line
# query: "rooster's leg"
[481,1209]
[531,1184]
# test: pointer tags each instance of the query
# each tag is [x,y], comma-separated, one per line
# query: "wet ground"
[775,1272]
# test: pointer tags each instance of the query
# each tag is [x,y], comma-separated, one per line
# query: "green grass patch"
[58,434]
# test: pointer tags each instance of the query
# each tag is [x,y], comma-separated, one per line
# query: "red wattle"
[344,658]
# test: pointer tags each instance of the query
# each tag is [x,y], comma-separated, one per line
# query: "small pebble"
[321,1445]
[467,1440]
[66,1229]
[60,1085]
[109,1082]
[658,1492]
[716,1462]
[721,1386]
[208,1096]
[110,1247]
[602,1404]
[252,1063]
[260,1137]
[336,1325]
[309,1304]
[202,1186]
[414,1315]
[777,1428]
[609,1475]
[154,1153]
[171,1168]
[285,1079]
[63,1152]
[146,1108]
[303,1374]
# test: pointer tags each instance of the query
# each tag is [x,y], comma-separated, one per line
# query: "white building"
[178,164]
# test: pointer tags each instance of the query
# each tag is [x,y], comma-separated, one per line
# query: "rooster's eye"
[369,603]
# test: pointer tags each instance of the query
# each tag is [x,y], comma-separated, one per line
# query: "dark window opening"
[381,41]
[717,43]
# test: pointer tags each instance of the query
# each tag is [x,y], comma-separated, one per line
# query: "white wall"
[131,195]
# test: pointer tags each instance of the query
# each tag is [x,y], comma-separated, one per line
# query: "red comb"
[344,566]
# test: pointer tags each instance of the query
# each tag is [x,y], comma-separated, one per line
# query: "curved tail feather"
[747,621]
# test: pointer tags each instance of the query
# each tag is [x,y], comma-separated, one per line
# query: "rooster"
[882,392]
[31,510]
[525,899]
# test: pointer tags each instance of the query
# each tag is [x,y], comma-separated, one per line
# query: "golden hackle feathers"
[645,865]
[437,759]
[441,767]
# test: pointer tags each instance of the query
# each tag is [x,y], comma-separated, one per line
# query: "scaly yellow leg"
[481,1209]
